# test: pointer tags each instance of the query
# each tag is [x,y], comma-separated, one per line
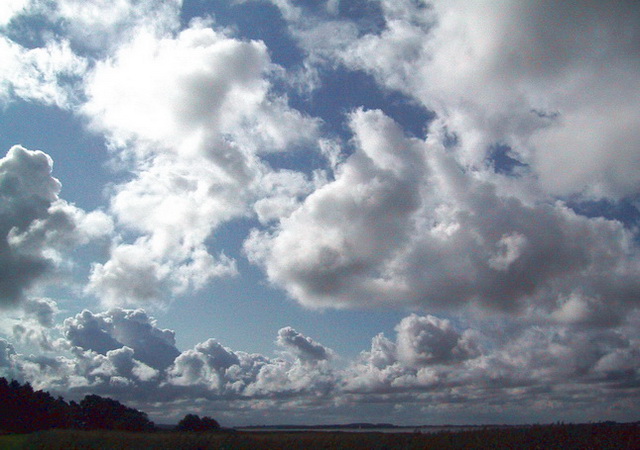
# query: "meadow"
[586,436]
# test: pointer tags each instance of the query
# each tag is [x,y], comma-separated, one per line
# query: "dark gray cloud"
[302,346]
[37,228]
[42,309]
[90,332]
[6,352]
[429,340]
[27,190]
[116,328]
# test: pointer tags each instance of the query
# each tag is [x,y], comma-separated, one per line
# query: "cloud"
[432,362]
[555,82]
[219,372]
[121,363]
[281,194]
[523,303]
[332,242]
[38,229]
[430,340]
[35,326]
[47,74]
[188,115]
[42,309]
[303,347]
[100,25]
[218,86]
[427,351]
[96,27]
[205,364]
[119,328]
[49,67]
[123,352]
[6,353]
[10,9]
[549,369]
[403,223]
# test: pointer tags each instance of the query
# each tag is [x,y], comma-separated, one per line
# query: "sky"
[315,212]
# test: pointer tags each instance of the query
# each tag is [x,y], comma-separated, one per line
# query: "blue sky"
[322,212]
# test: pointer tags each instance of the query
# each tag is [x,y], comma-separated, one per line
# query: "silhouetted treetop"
[192,422]
[23,410]
[105,413]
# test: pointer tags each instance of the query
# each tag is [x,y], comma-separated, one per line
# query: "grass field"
[547,437]
[13,441]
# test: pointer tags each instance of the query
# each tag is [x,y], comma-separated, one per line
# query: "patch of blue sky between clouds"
[626,210]
[249,20]
[342,90]
[503,161]
[31,30]
[79,157]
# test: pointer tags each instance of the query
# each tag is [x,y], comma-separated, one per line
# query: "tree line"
[24,410]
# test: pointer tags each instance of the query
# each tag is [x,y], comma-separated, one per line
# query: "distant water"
[364,430]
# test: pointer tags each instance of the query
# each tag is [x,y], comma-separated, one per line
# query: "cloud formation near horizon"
[123,353]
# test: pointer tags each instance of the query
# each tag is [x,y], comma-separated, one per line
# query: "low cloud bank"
[430,365]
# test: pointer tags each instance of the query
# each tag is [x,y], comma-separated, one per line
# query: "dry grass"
[547,437]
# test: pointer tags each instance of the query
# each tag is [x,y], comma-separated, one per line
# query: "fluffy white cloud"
[52,71]
[191,112]
[430,362]
[332,243]
[102,24]
[38,229]
[281,193]
[217,371]
[47,74]
[190,94]
[97,26]
[557,82]
[11,8]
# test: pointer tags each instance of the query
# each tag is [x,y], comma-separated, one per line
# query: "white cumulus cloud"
[191,113]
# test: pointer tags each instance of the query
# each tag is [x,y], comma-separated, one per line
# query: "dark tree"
[210,424]
[23,410]
[107,414]
[192,422]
